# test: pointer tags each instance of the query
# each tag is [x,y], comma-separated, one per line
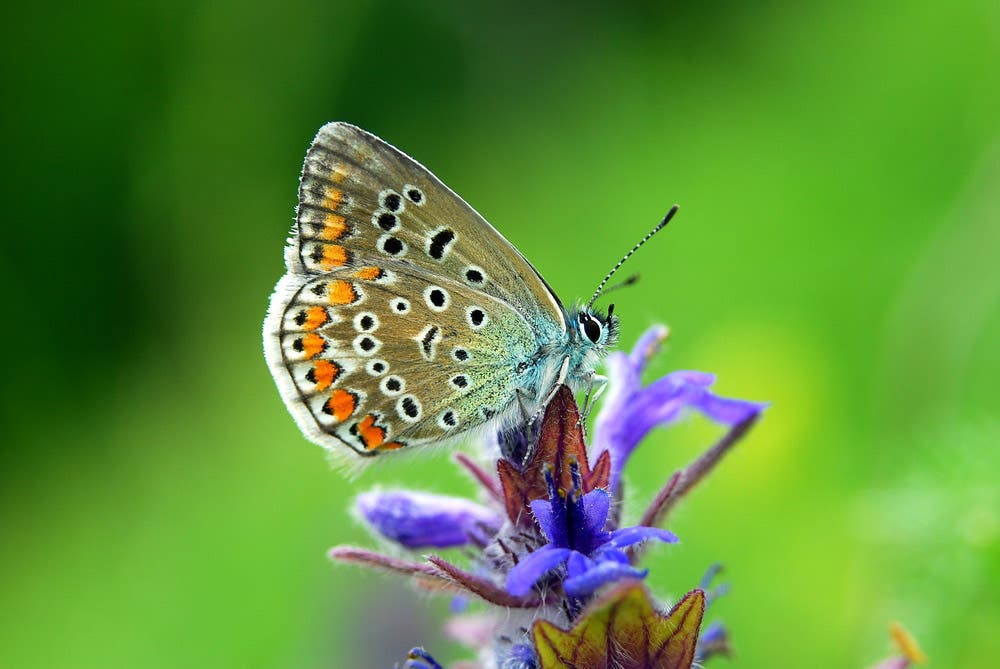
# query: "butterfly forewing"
[403,312]
[361,198]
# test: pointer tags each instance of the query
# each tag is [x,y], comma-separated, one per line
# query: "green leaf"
[623,629]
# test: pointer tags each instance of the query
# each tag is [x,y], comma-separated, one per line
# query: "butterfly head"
[594,330]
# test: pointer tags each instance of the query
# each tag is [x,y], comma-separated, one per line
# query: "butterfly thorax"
[573,357]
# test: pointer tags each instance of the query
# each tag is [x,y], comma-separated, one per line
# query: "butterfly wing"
[362,199]
[365,366]
[404,318]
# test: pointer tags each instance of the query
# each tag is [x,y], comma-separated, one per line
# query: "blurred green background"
[838,168]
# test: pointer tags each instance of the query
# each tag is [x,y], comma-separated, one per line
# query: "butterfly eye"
[590,327]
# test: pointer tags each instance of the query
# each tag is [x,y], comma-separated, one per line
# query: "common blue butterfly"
[405,319]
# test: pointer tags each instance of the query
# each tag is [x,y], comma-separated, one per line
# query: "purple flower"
[547,539]
[418,658]
[630,410]
[418,520]
[522,656]
[574,524]
[714,638]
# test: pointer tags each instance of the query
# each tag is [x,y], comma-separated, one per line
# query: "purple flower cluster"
[573,523]
[547,546]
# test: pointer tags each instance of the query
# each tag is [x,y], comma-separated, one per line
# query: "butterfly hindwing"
[371,366]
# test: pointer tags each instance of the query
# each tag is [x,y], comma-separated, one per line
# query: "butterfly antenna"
[622,284]
[662,224]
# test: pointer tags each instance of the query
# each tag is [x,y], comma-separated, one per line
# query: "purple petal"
[521,655]
[541,509]
[706,580]
[578,564]
[586,518]
[628,536]
[728,411]
[714,633]
[664,400]
[532,567]
[418,520]
[623,383]
[625,374]
[714,640]
[418,658]
[598,575]
[551,517]
[609,553]
[596,505]
[685,378]
[647,346]
[661,402]
[630,410]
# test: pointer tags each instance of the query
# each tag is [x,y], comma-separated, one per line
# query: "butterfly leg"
[560,380]
[523,397]
[596,385]
[517,441]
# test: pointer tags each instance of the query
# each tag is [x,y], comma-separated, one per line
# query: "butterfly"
[404,318]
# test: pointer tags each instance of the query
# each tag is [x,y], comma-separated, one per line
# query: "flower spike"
[546,547]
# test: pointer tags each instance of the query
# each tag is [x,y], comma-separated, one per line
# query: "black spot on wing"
[427,343]
[439,243]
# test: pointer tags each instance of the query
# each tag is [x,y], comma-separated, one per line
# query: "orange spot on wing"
[333,256]
[371,434]
[334,197]
[341,404]
[315,317]
[324,374]
[313,345]
[391,446]
[334,227]
[338,176]
[369,273]
[342,292]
